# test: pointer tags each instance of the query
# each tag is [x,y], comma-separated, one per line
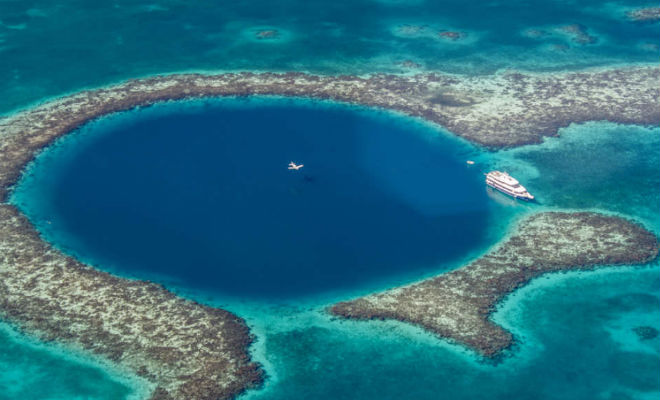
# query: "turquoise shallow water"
[576,342]
[575,331]
[52,47]
[603,166]
[31,371]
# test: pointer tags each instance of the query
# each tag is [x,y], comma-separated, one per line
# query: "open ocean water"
[49,48]
[576,332]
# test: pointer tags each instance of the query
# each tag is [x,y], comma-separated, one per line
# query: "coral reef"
[412,30]
[458,305]
[188,350]
[578,34]
[410,64]
[646,332]
[426,31]
[503,110]
[452,35]
[535,33]
[648,14]
[267,34]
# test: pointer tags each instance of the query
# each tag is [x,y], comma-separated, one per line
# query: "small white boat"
[470,162]
[506,184]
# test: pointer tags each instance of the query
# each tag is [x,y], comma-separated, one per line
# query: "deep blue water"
[201,194]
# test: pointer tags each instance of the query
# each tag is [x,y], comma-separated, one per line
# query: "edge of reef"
[496,111]
[192,351]
[458,305]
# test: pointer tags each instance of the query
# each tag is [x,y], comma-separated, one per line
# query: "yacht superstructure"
[506,184]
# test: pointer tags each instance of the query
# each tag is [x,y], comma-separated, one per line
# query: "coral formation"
[646,332]
[187,350]
[452,35]
[504,110]
[192,351]
[578,33]
[648,14]
[458,305]
[267,34]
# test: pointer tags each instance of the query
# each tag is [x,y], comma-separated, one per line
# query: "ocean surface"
[49,48]
[576,331]
[33,371]
[199,175]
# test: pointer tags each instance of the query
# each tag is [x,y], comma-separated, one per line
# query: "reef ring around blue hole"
[200,193]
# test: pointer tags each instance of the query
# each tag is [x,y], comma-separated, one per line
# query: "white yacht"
[506,184]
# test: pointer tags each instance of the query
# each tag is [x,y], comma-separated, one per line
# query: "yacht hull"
[504,191]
